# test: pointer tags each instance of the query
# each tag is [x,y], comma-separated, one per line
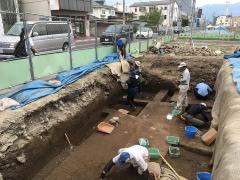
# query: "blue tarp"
[39,88]
[236,54]
[235,63]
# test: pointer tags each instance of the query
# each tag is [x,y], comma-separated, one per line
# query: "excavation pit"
[78,109]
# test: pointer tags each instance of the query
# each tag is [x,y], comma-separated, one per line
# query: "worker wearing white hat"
[184,81]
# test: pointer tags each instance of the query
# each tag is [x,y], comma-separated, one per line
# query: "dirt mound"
[200,67]
[188,51]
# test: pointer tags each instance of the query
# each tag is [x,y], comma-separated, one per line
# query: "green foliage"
[185,21]
[174,23]
[135,29]
[152,18]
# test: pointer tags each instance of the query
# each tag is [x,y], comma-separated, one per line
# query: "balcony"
[75,5]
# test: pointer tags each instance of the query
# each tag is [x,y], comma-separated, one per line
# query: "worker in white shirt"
[135,155]
[183,81]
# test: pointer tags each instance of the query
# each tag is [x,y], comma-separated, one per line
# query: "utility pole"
[172,10]
[192,14]
[124,19]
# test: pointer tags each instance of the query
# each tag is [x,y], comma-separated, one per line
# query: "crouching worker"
[193,113]
[202,90]
[121,45]
[135,156]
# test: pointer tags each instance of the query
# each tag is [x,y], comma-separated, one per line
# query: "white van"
[45,35]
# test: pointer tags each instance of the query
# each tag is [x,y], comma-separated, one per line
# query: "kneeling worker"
[135,155]
[202,91]
[121,45]
[190,116]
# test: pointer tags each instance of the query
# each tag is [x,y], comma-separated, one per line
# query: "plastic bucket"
[190,131]
[204,176]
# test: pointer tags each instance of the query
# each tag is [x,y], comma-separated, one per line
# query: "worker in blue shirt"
[202,90]
[122,45]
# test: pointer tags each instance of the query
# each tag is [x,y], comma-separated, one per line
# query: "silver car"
[45,36]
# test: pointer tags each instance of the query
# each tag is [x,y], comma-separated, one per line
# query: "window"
[142,9]
[165,16]
[136,10]
[165,8]
[40,29]
[113,13]
[103,11]
[57,28]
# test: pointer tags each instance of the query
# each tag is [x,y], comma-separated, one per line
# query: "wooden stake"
[165,161]
[71,146]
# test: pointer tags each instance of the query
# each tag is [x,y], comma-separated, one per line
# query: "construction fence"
[34,47]
[202,33]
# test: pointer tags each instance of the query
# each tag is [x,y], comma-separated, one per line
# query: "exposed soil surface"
[78,109]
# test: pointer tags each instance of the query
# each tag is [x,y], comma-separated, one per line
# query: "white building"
[102,11]
[224,20]
[140,8]
[119,7]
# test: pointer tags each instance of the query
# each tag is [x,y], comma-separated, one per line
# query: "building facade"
[8,19]
[102,11]
[76,10]
[119,7]
[141,8]
[236,21]
[224,20]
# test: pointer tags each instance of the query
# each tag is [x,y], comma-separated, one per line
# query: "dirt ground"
[165,67]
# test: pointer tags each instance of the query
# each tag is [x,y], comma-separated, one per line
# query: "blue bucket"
[190,131]
[204,176]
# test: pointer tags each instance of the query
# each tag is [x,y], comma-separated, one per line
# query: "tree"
[152,18]
[185,21]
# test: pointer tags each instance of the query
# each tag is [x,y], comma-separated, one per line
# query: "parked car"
[162,31]
[120,30]
[145,33]
[46,36]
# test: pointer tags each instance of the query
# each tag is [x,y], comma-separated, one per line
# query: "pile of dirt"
[188,51]
[200,67]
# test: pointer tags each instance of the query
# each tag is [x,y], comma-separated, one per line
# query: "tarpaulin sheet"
[39,88]
[236,54]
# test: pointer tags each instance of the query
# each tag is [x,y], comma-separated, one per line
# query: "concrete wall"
[37,7]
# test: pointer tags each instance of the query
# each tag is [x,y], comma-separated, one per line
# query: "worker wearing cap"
[184,81]
[202,90]
[193,113]
[121,45]
[135,70]
[134,82]
[135,155]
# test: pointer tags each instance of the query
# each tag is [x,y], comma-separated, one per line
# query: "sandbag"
[225,113]
[6,103]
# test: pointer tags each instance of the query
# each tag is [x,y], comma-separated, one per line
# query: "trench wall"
[225,114]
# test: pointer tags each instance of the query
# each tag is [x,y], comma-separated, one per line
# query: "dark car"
[120,30]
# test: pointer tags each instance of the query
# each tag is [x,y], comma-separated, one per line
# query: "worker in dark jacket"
[192,113]
[21,47]
[133,88]
[121,45]
[137,156]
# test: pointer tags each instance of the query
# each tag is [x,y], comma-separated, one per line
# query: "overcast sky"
[204,2]
[199,2]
